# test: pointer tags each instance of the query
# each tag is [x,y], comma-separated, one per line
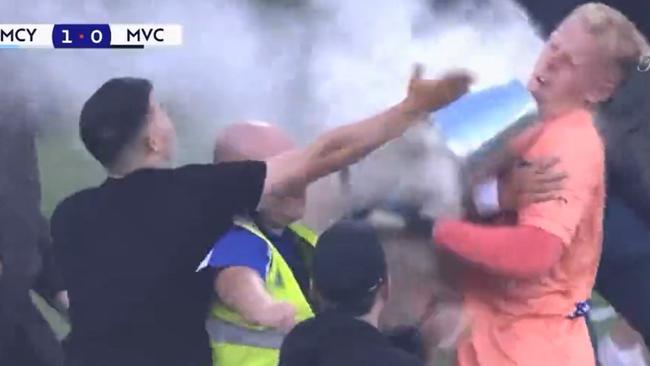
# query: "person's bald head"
[250,140]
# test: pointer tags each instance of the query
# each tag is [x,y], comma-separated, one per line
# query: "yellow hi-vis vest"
[237,343]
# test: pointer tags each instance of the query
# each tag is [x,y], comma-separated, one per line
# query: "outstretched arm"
[290,173]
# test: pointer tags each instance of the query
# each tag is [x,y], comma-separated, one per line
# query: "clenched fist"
[278,315]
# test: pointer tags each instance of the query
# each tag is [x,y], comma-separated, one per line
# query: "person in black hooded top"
[350,279]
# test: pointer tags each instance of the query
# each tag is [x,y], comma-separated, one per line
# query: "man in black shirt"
[351,279]
[129,249]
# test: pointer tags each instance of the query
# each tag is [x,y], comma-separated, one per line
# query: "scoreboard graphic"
[90,35]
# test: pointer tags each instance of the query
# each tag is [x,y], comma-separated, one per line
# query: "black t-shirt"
[129,250]
[333,339]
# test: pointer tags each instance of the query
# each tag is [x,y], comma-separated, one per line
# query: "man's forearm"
[347,144]
[291,172]
[517,251]
[242,290]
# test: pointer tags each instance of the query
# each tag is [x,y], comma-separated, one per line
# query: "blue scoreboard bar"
[81,36]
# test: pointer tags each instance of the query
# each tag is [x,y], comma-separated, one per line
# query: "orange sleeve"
[515,251]
[580,150]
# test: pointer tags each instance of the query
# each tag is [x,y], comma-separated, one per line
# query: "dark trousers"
[624,273]
[25,336]
[627,289]
[32,344]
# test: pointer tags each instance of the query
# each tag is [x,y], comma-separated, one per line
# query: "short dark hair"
[113,116]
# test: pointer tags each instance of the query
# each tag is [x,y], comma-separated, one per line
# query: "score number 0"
[95,36]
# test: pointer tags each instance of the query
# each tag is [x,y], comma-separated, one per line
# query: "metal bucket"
[479,117]
[480,126]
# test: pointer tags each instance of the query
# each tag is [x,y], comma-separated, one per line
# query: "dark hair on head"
[113,116]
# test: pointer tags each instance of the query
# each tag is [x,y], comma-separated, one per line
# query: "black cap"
[349,262]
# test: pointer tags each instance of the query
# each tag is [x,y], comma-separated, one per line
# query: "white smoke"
[307,65]
[365,51]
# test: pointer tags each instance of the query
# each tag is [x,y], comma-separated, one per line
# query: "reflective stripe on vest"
[224,332]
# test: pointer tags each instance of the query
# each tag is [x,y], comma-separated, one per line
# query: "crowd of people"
[210,264]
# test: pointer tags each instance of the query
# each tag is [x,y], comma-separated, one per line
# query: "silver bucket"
[477,118]
[478,126]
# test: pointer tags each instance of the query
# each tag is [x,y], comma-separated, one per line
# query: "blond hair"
[615,33]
